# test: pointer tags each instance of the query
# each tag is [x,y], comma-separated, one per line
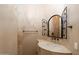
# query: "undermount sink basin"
[53,47]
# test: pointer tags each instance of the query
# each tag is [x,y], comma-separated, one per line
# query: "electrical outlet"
[76,46]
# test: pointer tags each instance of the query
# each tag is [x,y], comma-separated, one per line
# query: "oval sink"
[53,47]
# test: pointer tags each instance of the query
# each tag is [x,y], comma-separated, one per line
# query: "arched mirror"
[55,26]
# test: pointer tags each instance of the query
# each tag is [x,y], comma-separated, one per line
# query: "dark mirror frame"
[61,27]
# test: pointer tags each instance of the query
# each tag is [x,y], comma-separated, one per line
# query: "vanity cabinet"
[45,52]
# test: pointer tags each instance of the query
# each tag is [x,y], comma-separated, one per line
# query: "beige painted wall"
[8,30]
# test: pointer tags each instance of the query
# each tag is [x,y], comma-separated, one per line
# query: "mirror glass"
[54,26]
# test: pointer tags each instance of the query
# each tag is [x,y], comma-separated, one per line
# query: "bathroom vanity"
[49,48]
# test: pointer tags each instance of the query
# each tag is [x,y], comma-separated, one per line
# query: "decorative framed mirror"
[57,25]
[54,26]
